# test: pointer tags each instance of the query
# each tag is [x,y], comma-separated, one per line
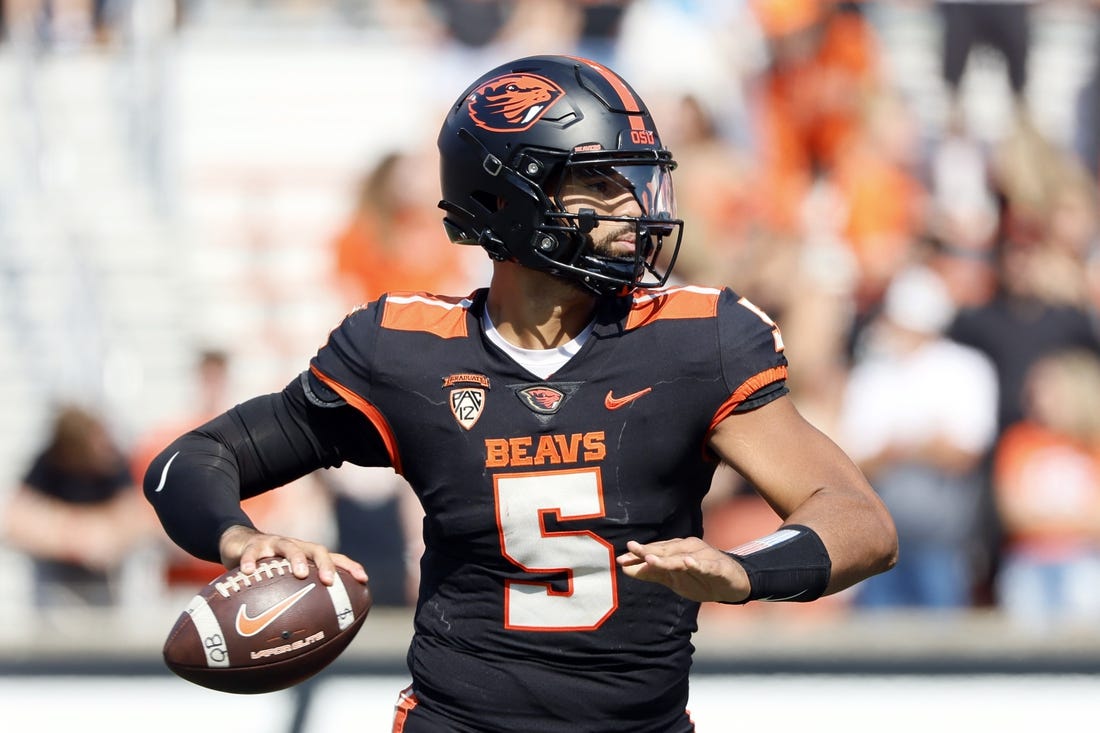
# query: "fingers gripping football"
[244,547]
[687,566]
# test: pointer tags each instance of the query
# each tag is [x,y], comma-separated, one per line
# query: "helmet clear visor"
[642,190]
[612,225]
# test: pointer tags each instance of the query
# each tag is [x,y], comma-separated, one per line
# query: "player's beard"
[605,245]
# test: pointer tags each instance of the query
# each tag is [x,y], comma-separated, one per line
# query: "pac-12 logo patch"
[512,102]
[467,398]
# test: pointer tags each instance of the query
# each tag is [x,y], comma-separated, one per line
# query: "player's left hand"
[688,566]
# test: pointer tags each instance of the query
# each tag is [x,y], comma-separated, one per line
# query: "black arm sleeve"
[197,483]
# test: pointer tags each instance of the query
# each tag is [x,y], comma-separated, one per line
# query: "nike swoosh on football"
[614,403]
[164,472]
[252,625]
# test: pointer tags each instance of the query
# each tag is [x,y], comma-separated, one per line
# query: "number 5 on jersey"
[523,501]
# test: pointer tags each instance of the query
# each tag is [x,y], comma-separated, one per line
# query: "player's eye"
[608,184]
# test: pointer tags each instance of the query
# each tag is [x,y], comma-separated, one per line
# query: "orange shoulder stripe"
[683,302]
[443,316]
[370,411]
[742,393]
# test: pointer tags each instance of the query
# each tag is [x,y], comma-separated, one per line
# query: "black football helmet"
[527,129]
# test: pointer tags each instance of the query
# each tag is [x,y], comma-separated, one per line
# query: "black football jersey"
[532,487]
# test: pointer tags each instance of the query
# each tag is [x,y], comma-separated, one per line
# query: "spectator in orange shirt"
[876,176]
[1047,490]
[826,118]
[392,240]
[809,102]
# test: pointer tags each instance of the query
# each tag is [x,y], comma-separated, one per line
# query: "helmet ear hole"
[488,202]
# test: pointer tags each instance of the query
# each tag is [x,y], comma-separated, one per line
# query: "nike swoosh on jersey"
[252,625]
[164,472]
[614,403]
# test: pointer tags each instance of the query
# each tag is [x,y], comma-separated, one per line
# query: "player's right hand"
[244,546]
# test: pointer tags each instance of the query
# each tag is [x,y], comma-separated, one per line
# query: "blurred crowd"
[937,287]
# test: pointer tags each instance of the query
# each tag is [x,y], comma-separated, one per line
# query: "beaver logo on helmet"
[512,102]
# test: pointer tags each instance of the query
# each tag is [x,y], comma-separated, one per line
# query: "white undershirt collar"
[543,362]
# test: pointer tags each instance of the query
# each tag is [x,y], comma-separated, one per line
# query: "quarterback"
[560,427]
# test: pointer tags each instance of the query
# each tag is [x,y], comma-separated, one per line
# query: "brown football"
[267,630]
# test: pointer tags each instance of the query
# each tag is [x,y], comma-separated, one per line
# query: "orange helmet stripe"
[630,102]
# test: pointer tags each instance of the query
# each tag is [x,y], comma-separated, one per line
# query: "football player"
[560,428]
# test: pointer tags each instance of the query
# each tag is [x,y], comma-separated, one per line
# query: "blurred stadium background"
[172,177]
